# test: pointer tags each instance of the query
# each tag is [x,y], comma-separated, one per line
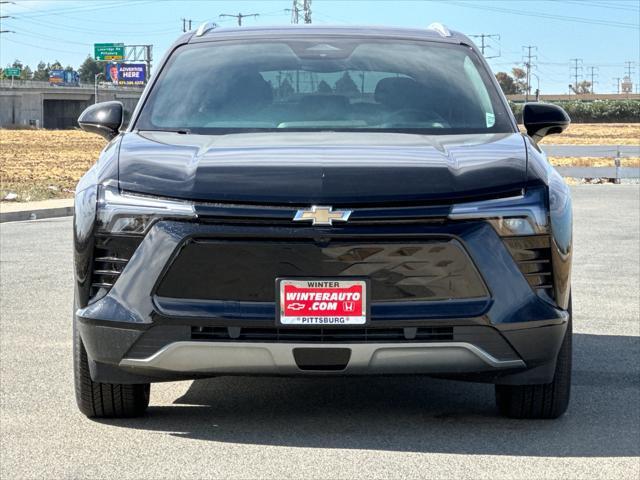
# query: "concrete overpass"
[42,105]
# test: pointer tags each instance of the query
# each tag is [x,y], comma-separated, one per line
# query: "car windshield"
[336,84]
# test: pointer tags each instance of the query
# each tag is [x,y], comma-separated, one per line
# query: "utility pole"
[300,8]
[485,45]
[528,59]
[95,86]
[295,12]
[306,6]
[593,75]
[240,16]
[617,79]
[577,67]
[629,67]
[186,25]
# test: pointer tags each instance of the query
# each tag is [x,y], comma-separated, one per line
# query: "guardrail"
[616,153]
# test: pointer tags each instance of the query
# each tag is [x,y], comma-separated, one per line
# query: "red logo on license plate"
[323,302]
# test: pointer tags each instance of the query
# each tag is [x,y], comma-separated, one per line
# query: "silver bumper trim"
[277,358]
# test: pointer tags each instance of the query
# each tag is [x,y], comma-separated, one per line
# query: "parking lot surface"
[407,427]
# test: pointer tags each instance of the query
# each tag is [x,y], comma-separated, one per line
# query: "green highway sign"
[11,72]
[108,51]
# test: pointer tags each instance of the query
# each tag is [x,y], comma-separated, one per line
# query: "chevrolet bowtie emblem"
[318,215]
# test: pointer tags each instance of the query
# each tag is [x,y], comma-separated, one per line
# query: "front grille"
[533,256]
[110,256]
[244,270]
[321,335]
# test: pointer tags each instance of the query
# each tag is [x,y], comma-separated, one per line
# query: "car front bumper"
[135,335]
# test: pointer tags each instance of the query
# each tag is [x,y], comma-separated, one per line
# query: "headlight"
[122,212]
[522,215]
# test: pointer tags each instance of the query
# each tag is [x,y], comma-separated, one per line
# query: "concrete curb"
[38,214]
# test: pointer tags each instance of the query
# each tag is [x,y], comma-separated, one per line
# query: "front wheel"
[104,400]
[545,400]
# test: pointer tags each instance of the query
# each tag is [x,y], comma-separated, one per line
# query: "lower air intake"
[110,256]
[533,256]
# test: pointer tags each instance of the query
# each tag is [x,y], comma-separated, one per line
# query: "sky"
[602,34]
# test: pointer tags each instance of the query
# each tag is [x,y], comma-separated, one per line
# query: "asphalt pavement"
[409,427]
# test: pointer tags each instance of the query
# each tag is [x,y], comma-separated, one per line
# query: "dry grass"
[41,164]
[597,134]
[593,162]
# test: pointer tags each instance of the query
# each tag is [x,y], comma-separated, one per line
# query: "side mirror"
[542,119]
[104,118]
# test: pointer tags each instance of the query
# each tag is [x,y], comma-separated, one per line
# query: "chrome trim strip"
[277,358]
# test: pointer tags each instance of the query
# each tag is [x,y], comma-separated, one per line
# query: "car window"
[324,84]
[481,91]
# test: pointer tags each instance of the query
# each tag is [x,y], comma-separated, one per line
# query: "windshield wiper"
[182,131]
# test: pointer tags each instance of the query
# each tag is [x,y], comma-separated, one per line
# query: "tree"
[582,87]
[520,79]
[89,69]
[26,73]
[324,88]
[507,84]
[513,84]
[346,86]
[42,72]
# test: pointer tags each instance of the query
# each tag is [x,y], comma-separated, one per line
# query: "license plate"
[322,302]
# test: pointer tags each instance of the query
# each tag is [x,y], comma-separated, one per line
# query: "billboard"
[126,73]
[64,78]
[108,51]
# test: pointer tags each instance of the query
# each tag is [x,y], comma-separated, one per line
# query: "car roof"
[287,31]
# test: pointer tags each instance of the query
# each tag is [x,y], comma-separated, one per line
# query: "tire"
[104,400]
[543,401]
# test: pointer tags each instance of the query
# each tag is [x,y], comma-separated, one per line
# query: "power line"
[40,47]
[629,67]
[78,9]
[564,18]
[35,35]
[577,67]
[617,79]
[593,75]
[92,31]
[484,45]
[239,16]
[528,58]
[591,3]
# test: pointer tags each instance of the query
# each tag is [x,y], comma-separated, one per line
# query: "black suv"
[322,201]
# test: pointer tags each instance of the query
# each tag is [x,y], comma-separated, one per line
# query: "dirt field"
[597,134]
[41,164]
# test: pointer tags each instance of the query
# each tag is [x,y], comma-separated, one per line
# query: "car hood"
[334,168]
